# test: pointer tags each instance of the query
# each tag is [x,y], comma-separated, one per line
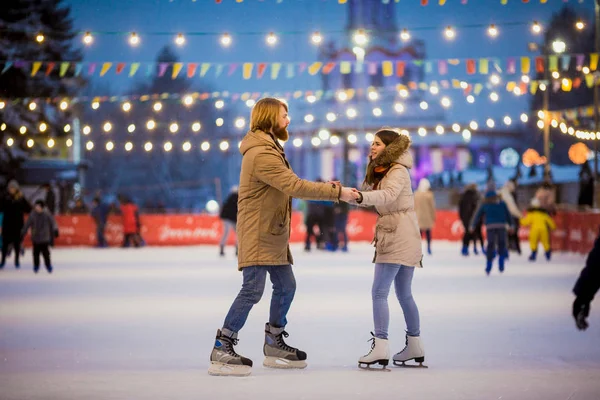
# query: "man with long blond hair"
[267,185]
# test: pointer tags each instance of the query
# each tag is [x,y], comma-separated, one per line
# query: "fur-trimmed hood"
[394,153]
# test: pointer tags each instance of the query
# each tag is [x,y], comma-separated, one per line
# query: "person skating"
[496,218]
[425,209]
[14,206]
[467,206]
[508,196]
[541,224]
[587,286]
[397,240]
[267,185]
[229,218]
[43,231]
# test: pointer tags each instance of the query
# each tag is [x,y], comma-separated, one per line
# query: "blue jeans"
[402,276]
[496,238]
[100,235]
[284,288]
[227,226]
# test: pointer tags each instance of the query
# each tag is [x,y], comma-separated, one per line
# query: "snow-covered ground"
[140,323]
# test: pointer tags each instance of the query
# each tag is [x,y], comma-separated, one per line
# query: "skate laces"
[282,344]
[230,342]
[372,340]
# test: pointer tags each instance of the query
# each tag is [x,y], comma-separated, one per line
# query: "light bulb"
[87,130]
[450,33]
[180,39]
[439,130]
[107,127]
[205,146]
[297,142]
[51,143]
[494,96]
[186,146]
[157,106]
[331,117]
[399,107]
[470,99]
[423,105]
[32,106]
[224,145]
[311,98]
[43,127]
[377,112]
[69,142]
[131,128]
[536,28]
[39,37]
[351,113]
[128,146]
[196,126]
[316,38]
[352,138]
[492,31]
[110,146]
[524,117]
[360,37]
[422,132]
[148,146]
[579,24]
[342,96]
[507,120]
[89,145]
[174,127]
[271,39]
[150,124]
[134,39]
[219,104]
[188,100]
[225,40]
[64,105]
[30,143]
[67,128]
[446,102]
[315,141]
[22,130]
[219,122]
[309,118]
[87,39]
[240,123]
[373,95]
[126,106]
[456,128]
[434,90]
[404,35]
[168,146]
[95,105]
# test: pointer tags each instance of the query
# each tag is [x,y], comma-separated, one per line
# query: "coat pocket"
[384,237]
[278,225]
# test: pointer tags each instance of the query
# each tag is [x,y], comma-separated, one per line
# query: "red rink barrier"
[576,231]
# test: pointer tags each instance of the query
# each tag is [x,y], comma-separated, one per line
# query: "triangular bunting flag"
[484,66]
[553,63]
[314,68]
[593,61]
[525,65]
[400,65]
[64,67]
[120,67]
[78,68]
[204,69]
[511,66]
[565,61]
[219,70]
[442,67]
[177,67]
[191,69]
[372,68]
[7,65]
[289,73]
[345,67]
[471,69]
[328,67]
[49,68]
[105,67]
[302,67]
[133,69]
[387,68]
[162,69]
[539,64]
[247,70]
[150,71]
[36,67]
[275,68]
[262,67]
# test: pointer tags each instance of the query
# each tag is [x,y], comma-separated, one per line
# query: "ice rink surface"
[140,323]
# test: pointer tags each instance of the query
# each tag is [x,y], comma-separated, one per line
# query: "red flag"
[539,64]
[424,2]
[120,67]
[49,68]
[261,69]
[400,68]
[328,68]
[471,67]
[191,69]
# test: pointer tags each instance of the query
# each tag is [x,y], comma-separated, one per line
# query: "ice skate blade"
[222,369]
[368,367]
[403,364]
[282,363]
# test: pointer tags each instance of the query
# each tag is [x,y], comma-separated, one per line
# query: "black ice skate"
[378,355]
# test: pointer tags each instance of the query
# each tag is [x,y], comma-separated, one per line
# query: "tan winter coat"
[267,185]
[397,238]
[425,209]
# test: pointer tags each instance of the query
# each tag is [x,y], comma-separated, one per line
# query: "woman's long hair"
[375,169]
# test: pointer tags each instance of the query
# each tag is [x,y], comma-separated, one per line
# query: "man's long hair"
[265,113]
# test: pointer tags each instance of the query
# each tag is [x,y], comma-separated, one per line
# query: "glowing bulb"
[525,79]
[404,35]
[297,142]
[494,96]
[174,127]
[186,146]
[360,37]
[168,146]
[69,142]
[3,127]
[131,128]
[89,145]
[150,124]
[541,114]
[126,106]
[240,123]
[88,38]
[250,103]
[10,142]
[456,128]
[64,105]
[540,124]
[219,122]
[224,145]
[95,105]
[507,120]
[352,138]
[87,130]
[403,93]
[555,75]
[180,39]
[39,38]
[51,143]
[316,38]
[422,132]
[30,143]
[324,134]
[219,104]
[423,105]
[377,112]
[492,31]
[342,96]
[315,141]
[473,125]
[67,128]
[205,146]
[464,85]
[536,27]
[157,106]
[554,123]
[585,70]
[490,123]
[311,98]
[309,118]
[466,134]
[196,126]
[399,107]
[450,33]
[148,146]
[43,127]
[446,102]
[110,146]
[334,140]
[434,90]
[134,39]
[351,113]
[373,95]
[32,106]
[571,130]
[331,117]
[559,46]
[22,130]
[107,127]
[271,39]
[128,146]
[495,79]
[369,137]
[524,117]
[579,24]
[188,100]
[225,40]
[439,130]
[2,104]
[470,99]
[517,91]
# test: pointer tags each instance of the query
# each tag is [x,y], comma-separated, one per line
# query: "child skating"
[43,231]
[541,224]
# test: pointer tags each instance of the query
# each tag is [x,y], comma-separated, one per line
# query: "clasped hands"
[348,194]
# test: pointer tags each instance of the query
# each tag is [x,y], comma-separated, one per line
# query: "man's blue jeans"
[402,276]
[284,288]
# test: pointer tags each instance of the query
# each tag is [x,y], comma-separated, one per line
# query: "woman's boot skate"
[277,353]
[379,354]
[412,351]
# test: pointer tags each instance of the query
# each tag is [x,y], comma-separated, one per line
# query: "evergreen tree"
[21,21]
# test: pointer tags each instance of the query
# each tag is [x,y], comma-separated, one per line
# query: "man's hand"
[581,310]
[349,194]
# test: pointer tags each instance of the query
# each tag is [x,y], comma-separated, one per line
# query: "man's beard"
[281,133]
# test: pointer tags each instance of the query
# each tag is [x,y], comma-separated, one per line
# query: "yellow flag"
[204,68]
[553,63]
[64,67]
[247,68]
[510,86]
[567,84]
[483,66]
[105,67]
[275,68]
[478,88]
[176,69]
[593,61]
[533,87]
[387,68]
[589,80]
[314,68]
[133,69]
[525,65]
[455,83]
[36,67]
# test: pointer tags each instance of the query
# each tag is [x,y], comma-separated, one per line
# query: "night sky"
[248,23]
